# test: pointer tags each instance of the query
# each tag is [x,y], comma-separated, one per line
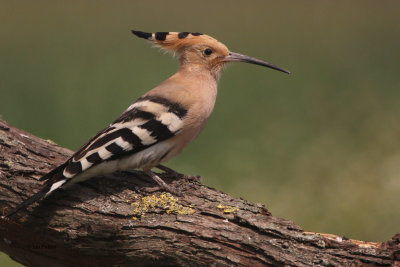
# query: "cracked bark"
[94,223]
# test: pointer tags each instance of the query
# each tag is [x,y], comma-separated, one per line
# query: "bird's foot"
[162,185]
[196,178]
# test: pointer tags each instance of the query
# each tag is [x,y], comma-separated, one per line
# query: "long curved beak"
[232,57]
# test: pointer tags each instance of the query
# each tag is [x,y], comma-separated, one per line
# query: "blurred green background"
[320,147]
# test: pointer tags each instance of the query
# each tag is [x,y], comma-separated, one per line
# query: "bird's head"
[199,50]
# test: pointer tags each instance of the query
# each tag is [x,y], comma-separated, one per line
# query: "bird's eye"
[208,52]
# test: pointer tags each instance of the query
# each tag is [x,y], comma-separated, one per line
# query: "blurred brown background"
[320,147]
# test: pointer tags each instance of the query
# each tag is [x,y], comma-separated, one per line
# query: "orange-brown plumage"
[173,41]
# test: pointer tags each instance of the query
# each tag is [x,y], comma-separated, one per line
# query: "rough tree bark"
[107,221]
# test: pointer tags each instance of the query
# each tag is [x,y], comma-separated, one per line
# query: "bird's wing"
[146,122]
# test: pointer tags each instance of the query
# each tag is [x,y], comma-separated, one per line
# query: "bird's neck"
[193,86]
[199,70]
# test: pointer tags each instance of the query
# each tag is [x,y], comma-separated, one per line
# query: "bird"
[158,125]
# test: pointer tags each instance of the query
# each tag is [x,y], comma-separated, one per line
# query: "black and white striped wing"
[147,122]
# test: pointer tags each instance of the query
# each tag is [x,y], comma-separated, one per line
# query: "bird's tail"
[45,191]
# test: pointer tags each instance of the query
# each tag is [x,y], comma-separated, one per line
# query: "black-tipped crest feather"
[144,35]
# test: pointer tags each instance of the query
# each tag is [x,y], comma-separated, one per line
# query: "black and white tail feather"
[121,146]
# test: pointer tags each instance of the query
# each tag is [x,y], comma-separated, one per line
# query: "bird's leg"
[177,174]
[170,171]
[161,183]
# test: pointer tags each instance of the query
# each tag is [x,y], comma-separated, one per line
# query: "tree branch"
[106,221]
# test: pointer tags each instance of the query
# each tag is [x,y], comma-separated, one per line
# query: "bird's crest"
[175,41]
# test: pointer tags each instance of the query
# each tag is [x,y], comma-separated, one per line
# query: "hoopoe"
[158,125]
